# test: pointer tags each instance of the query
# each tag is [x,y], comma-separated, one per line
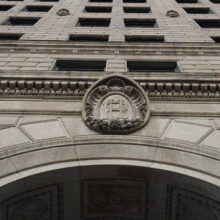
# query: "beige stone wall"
[53,27]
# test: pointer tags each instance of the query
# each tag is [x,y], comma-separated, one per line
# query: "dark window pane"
[136,10]
[186,1]
[93,22]
[197,10]
[79,65]
[5,7]
[89,38]
[134,1]
[20,21]
[151,66]
[145,23]
[7,36]
[208,23]
[215,1]
[216,39]
[37,8]
[94,9]
[146,39]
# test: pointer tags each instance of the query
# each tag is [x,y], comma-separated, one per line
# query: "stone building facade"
[109,110]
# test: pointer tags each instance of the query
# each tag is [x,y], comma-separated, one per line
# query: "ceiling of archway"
[109,193]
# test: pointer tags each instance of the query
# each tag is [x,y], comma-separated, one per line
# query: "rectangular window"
[197,10]
[144,39]
[93,22]
[186,1]
[5,7]
[37,8]
[101,1]
[134,1]
[93,9]
[48,0]
[89,38]
[208,23]
[216,39]
[136,9]
[215,1]
[140,23]
[21,21]
[8,36]
[151,66]
[80,65]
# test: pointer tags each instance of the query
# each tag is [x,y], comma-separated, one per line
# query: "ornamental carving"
[115,104]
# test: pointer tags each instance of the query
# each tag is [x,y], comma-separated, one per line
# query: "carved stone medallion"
[115,104]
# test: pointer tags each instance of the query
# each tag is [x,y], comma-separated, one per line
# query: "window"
[151,66]
[134,1]
[80,65]
[89,38]
[145,39]
[48,0]
[93,22]
[216,39]
[101,1]
[94,9]
[186,1]
[215,1]
[197,10]
[37,8]
[21,21]
[8,36]
[136,10]
[5,7]
[140,23]
[208,23]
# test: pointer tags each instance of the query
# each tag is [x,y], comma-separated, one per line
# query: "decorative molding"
[63,12]
[41,203]
[184,204]
[115,104]
[115,198]
[172,14]
[77,88]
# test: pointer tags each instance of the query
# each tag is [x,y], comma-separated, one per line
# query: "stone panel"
[12,136]
[154,128]
[114,199]
[186,205]
[187,132]
[213,139]
[39,204]
[8,121]
[44,130]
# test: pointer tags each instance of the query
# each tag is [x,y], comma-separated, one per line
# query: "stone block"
[154,128]
[44,130]
[8,121]
[12,136]
[187,132]
[213,140]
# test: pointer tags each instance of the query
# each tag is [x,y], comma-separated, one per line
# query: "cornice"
[76,88]
[65,47]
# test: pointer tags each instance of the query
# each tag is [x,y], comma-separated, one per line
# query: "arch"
[191,160]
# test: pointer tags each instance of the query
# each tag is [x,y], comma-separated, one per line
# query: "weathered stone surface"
[12,136]
[154,128]
[186,131]
[217,124]
[32,119]
[44,130]
[8,120]
[213,139]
